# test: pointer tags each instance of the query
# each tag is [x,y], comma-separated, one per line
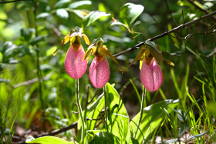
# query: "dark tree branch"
[13,1]
[55,132]
[64,129]
[166,33]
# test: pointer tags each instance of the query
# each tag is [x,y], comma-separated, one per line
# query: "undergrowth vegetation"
[107,71]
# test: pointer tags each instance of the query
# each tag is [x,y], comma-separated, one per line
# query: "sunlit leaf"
[106,138]
[62,3]
[43,15]
[118,119]
[131,12]
[152,118]
[79,3]
[62,13]
[95,15]
[1,57]
[50,140]
[51,51]
[92,112]
[118,23]
[81,13]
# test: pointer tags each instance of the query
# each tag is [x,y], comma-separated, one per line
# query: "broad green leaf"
[93,111]
[62,3]
[50,140]
[152,117]
[51,51]
[118,119]
[80,13]
[101,7]
[62,13]
[79,3]
[130,12]
[43,15]
[1,57]
[95,15]
[118,23]
[105,138]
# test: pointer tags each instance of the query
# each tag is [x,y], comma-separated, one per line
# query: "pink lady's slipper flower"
[99,71]
[75,64]
[151,74]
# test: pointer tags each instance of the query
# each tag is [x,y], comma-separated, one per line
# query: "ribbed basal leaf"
[49,140]
[75,65]
[152,118]
[92,112]
[118,119]
[99,72]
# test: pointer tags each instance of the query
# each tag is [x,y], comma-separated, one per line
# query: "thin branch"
[200,8]
[64,129]
[29,82]
[13,1]
[56,132]
[166,33]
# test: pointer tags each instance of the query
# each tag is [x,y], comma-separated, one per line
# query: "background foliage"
[37,95]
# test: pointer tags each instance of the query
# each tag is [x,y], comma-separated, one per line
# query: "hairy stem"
[80,111]
[105,108]
[141,108]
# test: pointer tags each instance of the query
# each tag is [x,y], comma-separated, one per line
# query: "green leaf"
[80,3]
[152,117]
[1,57]
[118,119]
[51,51]
[80,13]
[50,140]
[93,111]
[43,15]
[105,138]
[27,33]
[130,12]
[62,13]
[118,23]
[62,3]
[95,15]
[37,40]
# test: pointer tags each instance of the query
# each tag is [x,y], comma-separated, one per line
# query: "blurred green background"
[30,31]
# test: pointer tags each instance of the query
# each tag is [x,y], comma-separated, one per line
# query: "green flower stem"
[141,108]
[80,112]
[105,107]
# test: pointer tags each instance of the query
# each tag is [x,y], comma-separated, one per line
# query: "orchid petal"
[151,75]
[99,72]
[75,64]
